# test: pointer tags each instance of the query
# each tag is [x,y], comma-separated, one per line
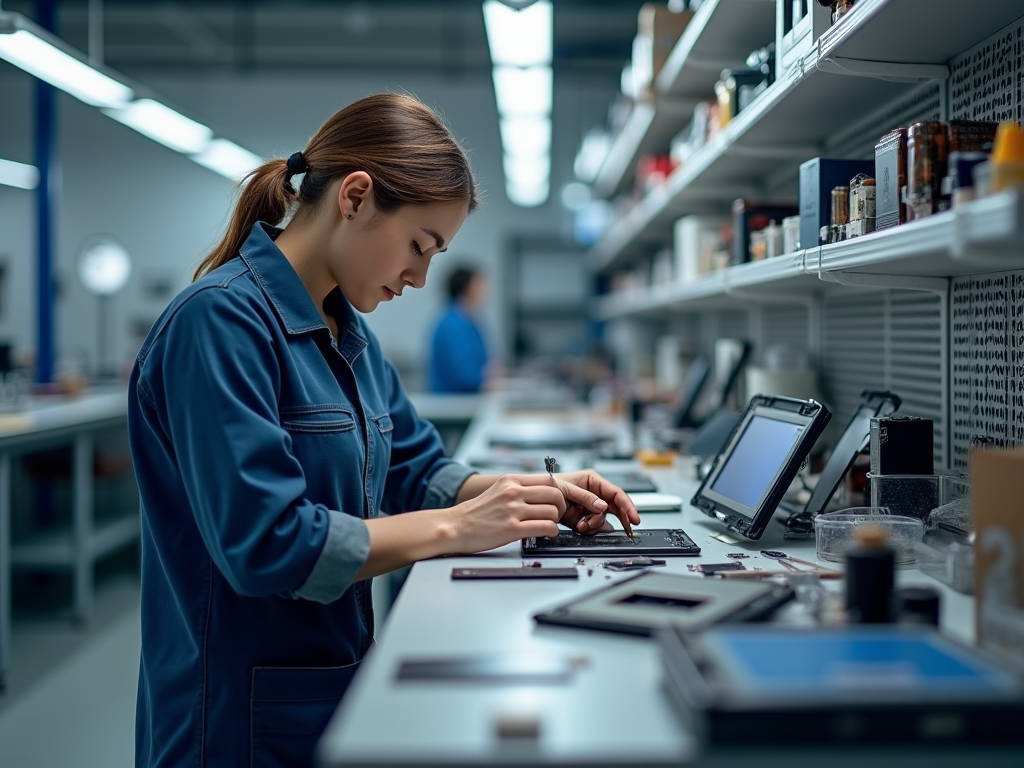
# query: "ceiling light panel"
[163,124]
[519,38]
[526,135]
[31,53]
[228,159]
[523,92]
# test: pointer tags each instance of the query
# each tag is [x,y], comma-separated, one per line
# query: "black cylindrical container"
[919,605]
[870,571]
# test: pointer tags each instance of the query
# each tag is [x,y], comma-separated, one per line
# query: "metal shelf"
[983,236]
[791,121]
[720,35]
[57,548]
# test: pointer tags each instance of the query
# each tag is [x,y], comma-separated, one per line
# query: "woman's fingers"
[528,528]
[584,498]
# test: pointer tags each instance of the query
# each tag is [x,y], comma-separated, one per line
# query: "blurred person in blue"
[458,350]
[280,463]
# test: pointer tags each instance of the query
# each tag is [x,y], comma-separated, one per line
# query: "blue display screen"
[755,460]
[780,662]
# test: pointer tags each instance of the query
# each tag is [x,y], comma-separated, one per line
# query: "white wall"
[168,211]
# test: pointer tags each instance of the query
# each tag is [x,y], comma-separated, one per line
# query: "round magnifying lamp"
[103,267]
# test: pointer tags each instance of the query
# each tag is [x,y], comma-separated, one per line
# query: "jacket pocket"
[317,418]
[289,710]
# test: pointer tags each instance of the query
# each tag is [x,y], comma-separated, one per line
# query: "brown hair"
[404,147]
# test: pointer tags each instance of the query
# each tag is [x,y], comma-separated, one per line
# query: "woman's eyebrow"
[437,238]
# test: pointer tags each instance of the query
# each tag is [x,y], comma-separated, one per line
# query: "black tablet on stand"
[759,461]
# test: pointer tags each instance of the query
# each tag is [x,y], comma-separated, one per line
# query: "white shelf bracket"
[937,285]
[883,70]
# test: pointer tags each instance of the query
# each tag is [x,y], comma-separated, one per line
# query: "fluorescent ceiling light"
[526,135]
[523,92]
[228,159]
[61,70]
[527,171]
[18,175]
[163,124]
[519,38]
[526,195]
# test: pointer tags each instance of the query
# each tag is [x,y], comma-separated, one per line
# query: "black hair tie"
[297,164]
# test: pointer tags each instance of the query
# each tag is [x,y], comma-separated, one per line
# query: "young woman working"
[275,447]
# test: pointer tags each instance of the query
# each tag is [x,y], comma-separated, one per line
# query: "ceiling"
[592,38]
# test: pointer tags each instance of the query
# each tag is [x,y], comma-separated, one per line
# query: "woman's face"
[383,254]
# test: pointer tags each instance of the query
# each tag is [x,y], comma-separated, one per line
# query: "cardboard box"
[997,507]
[658,31]
[818,177]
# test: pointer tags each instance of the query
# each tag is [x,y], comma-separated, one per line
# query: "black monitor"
[760,460]
[851,444]
[693,385]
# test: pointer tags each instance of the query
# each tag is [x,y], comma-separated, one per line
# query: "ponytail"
[266,195]
[404,147]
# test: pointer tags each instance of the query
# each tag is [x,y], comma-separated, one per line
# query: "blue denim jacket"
[260,446]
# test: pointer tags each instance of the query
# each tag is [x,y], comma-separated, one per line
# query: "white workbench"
[44,422]
[613,711]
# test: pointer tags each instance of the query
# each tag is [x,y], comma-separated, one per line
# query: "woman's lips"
[388,294]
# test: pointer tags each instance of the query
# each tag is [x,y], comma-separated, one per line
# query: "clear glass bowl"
[835,532]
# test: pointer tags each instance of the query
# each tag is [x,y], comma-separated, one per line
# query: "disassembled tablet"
[859,685]
[651,601]
[652,541]
[760,460]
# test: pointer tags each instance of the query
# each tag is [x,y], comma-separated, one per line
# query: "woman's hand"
[589,497]
[514,507]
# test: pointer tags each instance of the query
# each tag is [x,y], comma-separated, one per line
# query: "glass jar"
[927,153]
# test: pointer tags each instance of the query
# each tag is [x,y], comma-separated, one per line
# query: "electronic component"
[857,685]
[713,569]
[633,564]
[631,482]
[760,460]
[527,572]
[901,445]
[507,668]
[652,541]
[650,601]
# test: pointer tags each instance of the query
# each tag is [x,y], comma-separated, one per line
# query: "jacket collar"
[288,295]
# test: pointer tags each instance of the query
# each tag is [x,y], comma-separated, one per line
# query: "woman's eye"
[416,248]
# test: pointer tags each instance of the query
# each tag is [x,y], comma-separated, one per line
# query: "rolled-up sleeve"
[215,388]
[420,476]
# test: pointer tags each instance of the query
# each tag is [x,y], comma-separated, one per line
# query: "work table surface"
[613,711]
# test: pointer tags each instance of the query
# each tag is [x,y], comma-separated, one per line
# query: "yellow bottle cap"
[1009,145]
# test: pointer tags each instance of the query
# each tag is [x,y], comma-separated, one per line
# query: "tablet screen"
[756,459]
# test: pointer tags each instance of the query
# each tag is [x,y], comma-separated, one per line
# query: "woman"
[269,434]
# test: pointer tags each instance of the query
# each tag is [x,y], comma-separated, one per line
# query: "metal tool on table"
[787,562]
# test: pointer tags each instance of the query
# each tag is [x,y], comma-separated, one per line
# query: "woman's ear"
[355,194]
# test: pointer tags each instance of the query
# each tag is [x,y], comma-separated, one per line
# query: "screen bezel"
[765,411]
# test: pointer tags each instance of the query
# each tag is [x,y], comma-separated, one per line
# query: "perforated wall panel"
[985,82]
[924,103]
[784,325]
[890,340]
[987,360]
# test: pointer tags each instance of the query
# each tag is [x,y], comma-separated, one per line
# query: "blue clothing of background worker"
[458,352]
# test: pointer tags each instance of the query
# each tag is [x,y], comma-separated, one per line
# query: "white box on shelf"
[793,41]
[696,240]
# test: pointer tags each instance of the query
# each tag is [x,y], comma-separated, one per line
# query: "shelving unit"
[985,235]
[720,35]
[867,60]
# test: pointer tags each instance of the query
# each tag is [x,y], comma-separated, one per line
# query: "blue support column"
[46,209]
